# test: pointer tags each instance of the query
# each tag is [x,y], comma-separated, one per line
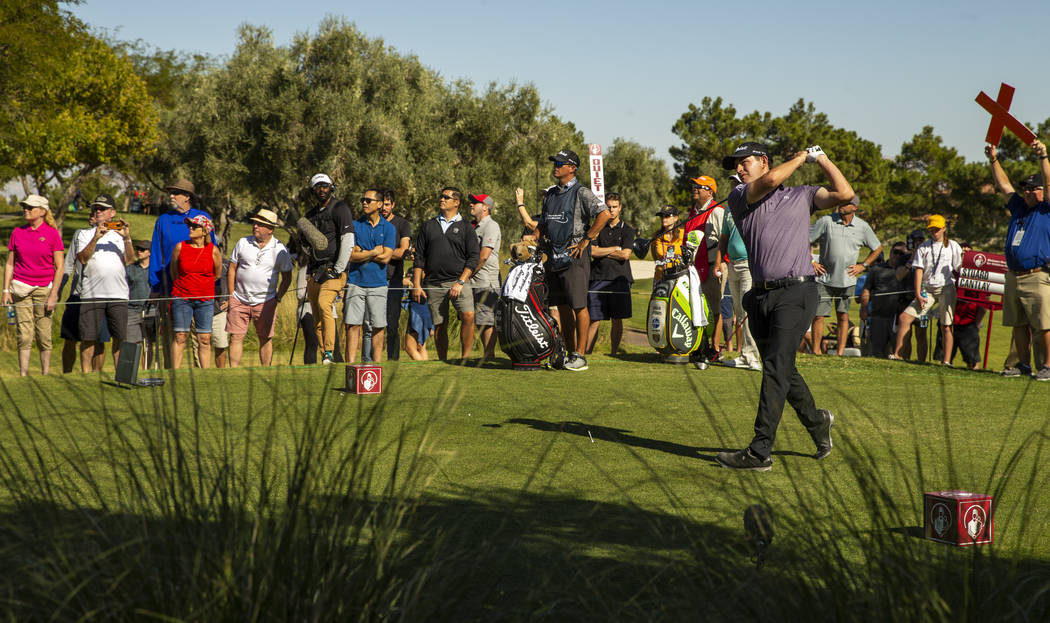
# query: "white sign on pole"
[597,172]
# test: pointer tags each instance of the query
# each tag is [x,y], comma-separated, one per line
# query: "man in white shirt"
[255,264]
[104,253]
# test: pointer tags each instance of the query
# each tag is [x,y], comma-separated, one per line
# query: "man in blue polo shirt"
[366,283]
[773,221]
[1026,300]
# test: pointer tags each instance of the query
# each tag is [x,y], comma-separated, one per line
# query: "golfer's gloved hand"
[814,152]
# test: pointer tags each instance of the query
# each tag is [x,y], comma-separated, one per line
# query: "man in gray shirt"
[841,235]
[485,280]
[567,210]
[773,221]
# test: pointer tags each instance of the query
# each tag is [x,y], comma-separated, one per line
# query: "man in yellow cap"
[707,216]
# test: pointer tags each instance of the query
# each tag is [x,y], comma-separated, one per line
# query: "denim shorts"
[184,310]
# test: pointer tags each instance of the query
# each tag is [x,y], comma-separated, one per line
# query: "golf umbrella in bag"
[527,332]
[677,316]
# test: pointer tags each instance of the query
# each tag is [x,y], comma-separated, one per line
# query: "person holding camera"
[326,268]
[104,253]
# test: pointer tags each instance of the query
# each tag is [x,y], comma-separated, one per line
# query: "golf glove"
[814,152]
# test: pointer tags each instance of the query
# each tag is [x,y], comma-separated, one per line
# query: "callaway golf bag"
[527,333]
[677,316]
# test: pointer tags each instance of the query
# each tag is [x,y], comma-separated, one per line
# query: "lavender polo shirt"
[775,230]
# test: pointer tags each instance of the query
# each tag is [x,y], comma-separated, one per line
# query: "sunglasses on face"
[179,193]
[195,226]
[447,197]
[698,187]
[558,164]
[370,200]
[322,185]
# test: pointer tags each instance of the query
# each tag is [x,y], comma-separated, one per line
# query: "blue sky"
[630,69]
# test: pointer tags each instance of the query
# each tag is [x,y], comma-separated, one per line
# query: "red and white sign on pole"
[597,172]
[982,276]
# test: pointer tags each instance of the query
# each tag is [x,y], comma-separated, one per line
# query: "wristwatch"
[461,282]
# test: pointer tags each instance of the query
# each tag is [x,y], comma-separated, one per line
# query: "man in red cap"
[485,280]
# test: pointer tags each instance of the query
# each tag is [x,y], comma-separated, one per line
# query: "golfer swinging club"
[773,221]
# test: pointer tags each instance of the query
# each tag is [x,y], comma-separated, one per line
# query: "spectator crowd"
[358,269]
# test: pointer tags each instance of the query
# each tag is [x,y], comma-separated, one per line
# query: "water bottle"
[11,314]
[924,319]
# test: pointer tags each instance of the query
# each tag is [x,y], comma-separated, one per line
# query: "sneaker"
[576,363]
[1021,369]
[823,435]
[1043,374]
[326,359]
[744,459]
[735,363]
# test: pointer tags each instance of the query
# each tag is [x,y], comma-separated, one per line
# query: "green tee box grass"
[586,496]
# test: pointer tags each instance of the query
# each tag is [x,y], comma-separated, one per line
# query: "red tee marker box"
[958,518]
[364,379]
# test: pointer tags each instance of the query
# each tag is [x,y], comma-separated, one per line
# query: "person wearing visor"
[935,263]
[1026,298]
[773,221]
[667,243]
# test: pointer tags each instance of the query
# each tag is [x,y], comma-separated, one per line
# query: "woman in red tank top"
[195,266]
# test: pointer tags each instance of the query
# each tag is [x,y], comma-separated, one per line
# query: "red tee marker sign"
[1001,117]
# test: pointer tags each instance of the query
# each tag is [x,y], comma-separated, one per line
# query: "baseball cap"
[566,155]
[1032,182]
[668,211]
[750,148]
[935,221]
[320,178]
[35,201]
[103,202]
[705,180]
[487,200]
[855,201]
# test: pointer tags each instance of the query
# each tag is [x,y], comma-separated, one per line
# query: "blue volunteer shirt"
[1032,250]
[371,274]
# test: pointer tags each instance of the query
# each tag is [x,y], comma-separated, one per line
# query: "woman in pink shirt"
[34,265]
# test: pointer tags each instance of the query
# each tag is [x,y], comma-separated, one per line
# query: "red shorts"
[263,316]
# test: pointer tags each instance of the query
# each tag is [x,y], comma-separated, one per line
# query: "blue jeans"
[184,310]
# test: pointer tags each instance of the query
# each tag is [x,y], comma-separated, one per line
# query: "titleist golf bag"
[527,332]
[677,315]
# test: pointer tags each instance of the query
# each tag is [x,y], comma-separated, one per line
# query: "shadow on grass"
[618,435]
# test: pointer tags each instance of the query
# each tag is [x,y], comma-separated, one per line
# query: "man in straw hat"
[255,264]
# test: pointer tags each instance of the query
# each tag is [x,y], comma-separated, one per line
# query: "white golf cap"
[320,178]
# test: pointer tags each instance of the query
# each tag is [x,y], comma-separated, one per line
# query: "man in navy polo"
[773,221]
[1026,300]
[366,287]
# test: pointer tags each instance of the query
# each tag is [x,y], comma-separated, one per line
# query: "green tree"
[642,180]
[76,107]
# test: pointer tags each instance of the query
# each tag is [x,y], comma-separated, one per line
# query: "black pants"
[967,339]
[881,336]
[310,344]
[393,322]
[778,320]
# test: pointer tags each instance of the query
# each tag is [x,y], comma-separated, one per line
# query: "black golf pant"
[778,320]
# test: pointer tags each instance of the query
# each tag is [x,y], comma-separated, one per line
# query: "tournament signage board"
[364,379]
[982,279]
[597,172]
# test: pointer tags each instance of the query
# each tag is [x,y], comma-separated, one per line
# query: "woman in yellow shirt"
[673,238]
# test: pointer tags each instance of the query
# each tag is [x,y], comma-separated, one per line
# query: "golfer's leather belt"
[1021,273]
[784,282]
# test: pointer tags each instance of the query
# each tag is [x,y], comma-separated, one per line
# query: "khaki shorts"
[1026,300]
[219,337]
[941,298]
[34,321]
[438,298]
